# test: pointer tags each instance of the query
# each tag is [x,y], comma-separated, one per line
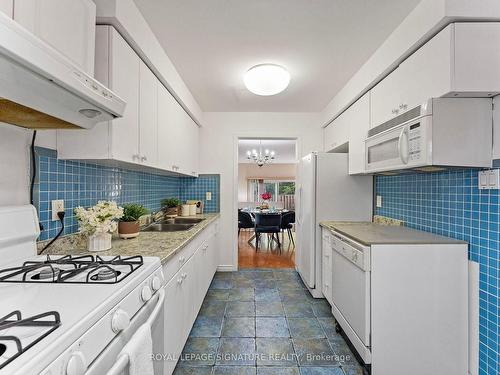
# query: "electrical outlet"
[379,201]
[208,196]
[57,206]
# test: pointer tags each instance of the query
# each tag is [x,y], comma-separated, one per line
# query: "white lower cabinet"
[326,251]
[173,328]
[189,273]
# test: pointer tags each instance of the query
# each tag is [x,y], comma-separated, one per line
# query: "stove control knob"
[76,364]
[120,321]
[156,283]
[146,293]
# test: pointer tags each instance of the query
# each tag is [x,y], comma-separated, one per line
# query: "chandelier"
[259,157]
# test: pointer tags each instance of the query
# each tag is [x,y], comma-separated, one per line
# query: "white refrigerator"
[326,192]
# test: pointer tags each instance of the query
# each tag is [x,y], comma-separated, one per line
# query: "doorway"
[267,170]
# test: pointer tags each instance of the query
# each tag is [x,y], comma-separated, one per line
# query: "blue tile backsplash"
[83,184]
[196,188]
[449,203]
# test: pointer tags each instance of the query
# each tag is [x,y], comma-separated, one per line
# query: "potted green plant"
[170,206]
[128,226]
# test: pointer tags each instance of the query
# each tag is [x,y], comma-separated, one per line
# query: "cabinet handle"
[144,158]
[179,280]
[181,259]
[395,111]
[403,106]
[184,275]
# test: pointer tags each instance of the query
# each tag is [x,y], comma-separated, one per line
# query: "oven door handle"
[123,360]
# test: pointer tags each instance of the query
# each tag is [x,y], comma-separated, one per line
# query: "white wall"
[218,154]
[15,161]
[271,171]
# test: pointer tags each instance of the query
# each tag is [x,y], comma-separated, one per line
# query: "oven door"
[402,147]
[110,361]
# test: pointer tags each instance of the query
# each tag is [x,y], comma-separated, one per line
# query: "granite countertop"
[369,233]
[154,244]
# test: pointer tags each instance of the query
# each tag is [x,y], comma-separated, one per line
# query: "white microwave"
[441,133]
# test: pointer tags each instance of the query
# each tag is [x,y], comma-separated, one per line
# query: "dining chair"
[287,221]
[245,221]
[269,224]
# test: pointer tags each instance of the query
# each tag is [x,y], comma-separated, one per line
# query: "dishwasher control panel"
[354,252]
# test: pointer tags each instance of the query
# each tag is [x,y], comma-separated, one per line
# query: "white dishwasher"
[401,298]
[351,291]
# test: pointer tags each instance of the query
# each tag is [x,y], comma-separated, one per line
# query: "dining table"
[255,211]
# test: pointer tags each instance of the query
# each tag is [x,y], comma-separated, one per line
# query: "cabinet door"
[427,73]
[385,98]
[68,26]
[124,80]
[168,133]
[173,322]
[477,57]
[326,263]
[7,7]
[148,117]
[359,124]
[496,127]
[336,134]
[190,296]
[189,135]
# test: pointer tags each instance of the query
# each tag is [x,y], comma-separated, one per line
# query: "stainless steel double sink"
[177,224]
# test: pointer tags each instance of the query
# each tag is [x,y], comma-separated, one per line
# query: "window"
[277,188]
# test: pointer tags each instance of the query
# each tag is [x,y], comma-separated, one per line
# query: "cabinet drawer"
[184,254]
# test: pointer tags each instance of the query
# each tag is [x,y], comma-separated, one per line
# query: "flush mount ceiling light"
[266,79]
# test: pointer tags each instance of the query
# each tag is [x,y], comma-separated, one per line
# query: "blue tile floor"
[264,322]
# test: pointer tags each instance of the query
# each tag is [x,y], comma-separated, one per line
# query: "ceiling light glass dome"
[266,79]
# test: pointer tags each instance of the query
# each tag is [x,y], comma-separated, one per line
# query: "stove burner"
[105,274]
[47,273]
[73,269]
[45,324]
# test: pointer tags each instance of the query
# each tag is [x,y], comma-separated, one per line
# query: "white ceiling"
[321,42]
[285,149]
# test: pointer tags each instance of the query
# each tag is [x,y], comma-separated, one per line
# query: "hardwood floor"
[267,256]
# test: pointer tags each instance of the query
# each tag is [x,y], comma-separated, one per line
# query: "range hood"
[40,88]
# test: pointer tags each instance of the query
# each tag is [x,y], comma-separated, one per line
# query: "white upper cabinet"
[69,26]
[168,132]
[336,134]
[496,128]
[463,60]
[7,7]
[358,118]
[148,116]
[177,136]
[154,131]
[124,76]
[117,67]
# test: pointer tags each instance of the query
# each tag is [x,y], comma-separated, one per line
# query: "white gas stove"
[59,313]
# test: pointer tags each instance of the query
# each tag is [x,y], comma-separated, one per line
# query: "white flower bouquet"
[100,218]
[98,222]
